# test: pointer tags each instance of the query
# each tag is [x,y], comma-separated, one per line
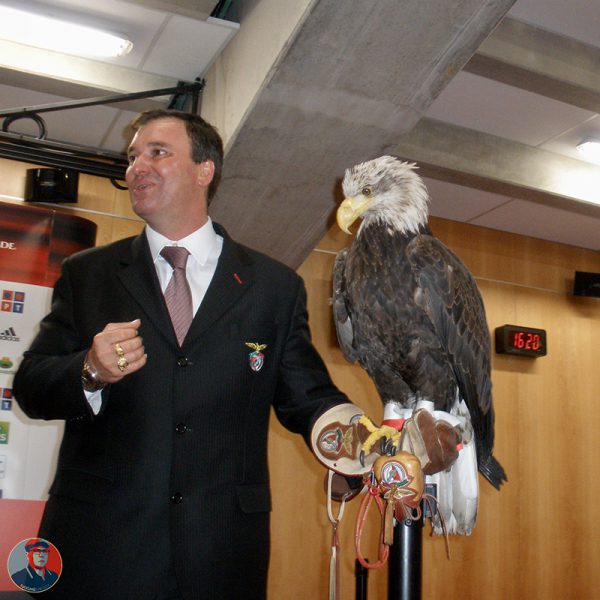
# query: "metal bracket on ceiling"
[93,161]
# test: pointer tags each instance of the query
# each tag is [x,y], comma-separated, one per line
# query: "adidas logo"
[10,335]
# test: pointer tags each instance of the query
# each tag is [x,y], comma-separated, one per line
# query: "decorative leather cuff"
[337,441]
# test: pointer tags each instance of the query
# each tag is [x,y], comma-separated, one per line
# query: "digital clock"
[523,341]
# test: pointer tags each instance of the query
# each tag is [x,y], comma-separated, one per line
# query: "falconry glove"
[434,442]
[341,440]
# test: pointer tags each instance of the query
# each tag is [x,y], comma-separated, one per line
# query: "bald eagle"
[408,310]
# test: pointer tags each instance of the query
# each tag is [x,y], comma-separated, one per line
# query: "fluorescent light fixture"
[52,34]
[590,149]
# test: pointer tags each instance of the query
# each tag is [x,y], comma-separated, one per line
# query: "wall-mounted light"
[53,34]
[590,149]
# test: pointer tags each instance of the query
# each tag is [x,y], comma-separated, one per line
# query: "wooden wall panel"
[536,538]
[12,180]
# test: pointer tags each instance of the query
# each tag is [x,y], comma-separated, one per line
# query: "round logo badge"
[34,565]
[394,474]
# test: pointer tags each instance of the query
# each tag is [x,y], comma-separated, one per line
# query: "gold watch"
[90,379]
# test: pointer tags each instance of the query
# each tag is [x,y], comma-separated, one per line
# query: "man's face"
[38,557]
[166,186]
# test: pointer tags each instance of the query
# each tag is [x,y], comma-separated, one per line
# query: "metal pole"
[361,575]
[182,88]
[405,561]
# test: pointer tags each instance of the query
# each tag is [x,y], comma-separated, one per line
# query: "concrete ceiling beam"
[353,79]
[542,62]
[472,158]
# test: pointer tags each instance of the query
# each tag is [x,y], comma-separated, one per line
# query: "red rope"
[384,550]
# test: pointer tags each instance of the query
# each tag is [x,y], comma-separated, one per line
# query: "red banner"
[33,243]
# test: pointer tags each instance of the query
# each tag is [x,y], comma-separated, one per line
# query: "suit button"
[182,361]
[177,498]
[181,428]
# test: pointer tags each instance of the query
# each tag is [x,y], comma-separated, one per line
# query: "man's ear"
[206,172]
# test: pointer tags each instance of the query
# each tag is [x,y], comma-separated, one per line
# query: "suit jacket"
[172,473]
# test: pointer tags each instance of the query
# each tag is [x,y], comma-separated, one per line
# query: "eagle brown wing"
[448,294]
[341,310]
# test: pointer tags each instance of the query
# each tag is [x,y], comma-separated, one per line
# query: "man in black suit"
[162,486]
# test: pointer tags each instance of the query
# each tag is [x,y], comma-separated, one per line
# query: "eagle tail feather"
[493,471]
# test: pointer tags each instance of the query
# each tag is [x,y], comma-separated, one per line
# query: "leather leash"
[334,570]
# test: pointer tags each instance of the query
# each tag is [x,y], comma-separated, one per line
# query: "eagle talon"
[361,458]
[388,447]
[383,445]
[377,435]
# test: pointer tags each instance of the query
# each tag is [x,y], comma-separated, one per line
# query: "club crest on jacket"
[256,359]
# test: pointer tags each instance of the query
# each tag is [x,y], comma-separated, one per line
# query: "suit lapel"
[232,278]
[138,276]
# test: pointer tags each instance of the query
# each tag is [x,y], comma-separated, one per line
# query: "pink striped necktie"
[178,295]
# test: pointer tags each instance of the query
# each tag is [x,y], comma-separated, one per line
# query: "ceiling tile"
[566,143]
[85,126]
[577,19]
[488,106]
[459,203]
[187,47]
[116,138]
[137,23]
[548,223]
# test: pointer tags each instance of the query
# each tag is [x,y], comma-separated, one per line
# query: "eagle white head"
[384,190]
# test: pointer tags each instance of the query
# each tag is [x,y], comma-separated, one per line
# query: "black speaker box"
[587,284]
[51,185]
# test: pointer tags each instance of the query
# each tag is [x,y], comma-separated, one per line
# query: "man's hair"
[205,141]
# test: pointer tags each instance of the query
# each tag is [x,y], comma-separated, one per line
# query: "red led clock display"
[523,341]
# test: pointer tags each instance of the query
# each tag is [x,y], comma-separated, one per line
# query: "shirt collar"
[199,244]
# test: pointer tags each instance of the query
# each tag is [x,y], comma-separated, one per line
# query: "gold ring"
[122,363]
[119,350]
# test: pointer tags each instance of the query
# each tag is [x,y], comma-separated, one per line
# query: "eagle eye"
[366,191]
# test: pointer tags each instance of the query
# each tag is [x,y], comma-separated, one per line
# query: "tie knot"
[176,256]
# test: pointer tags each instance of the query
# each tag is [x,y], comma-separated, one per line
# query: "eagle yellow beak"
[350,210]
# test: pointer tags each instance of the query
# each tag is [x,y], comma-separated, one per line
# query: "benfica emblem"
[332,441]
[400,477]
[256,359]
[394,474]
[338,440]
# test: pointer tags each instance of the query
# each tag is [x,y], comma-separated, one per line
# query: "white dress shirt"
[204,246]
